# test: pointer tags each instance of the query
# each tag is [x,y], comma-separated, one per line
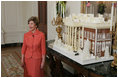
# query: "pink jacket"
[34,45]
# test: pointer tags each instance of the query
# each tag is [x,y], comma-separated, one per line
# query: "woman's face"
[32,25]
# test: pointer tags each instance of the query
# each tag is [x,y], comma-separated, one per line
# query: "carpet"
[10,65]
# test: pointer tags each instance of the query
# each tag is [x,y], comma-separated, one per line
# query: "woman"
[33,50]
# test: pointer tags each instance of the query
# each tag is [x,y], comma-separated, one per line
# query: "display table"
[92,70]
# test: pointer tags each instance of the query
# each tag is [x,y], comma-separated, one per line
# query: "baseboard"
[11,45]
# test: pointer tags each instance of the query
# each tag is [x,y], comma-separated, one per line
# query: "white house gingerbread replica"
[89,33]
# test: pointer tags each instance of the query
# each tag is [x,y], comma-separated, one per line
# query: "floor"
[7,49]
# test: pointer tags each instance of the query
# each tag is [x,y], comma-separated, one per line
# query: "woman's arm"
[23,52]
[43,49]
[24,46]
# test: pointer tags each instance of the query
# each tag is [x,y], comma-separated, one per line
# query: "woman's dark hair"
[34,19]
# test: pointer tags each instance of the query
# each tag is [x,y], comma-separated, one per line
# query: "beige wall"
[14,19]
[51,30]
[73,7]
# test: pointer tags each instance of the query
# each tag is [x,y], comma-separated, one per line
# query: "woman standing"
[33,50]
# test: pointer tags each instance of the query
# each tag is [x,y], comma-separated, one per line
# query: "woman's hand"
[22,61]
[43,61]
[42,64]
